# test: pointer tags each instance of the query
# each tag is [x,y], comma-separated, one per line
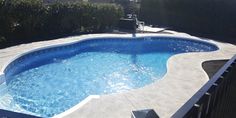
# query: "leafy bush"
[82,17]
[107,16]
[204,17]
[2,39]
[26,17]
[31,19]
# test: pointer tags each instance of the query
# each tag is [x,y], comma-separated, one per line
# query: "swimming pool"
[49,81]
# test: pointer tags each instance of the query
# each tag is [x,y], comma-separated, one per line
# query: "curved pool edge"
[170,62]
[77,106]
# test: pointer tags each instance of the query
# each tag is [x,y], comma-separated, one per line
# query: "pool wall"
[45,55]
[2,79]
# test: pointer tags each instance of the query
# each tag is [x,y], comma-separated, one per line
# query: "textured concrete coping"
[184,77]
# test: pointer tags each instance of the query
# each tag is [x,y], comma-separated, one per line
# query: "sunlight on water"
[55,87]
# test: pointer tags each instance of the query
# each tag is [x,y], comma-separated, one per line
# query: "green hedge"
[205,17]
[22,20]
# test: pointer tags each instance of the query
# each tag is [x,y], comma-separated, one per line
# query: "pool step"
[7,102]
[3,89]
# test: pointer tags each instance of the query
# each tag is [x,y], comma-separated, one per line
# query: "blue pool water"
[55,81]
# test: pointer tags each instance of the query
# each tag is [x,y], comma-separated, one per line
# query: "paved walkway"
[184,77]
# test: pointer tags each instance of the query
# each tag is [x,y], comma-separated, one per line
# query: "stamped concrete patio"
[184,77]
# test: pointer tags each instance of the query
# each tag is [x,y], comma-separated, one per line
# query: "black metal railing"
[11,114]
[216,99]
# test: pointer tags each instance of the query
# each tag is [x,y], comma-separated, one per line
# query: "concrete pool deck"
[185,76]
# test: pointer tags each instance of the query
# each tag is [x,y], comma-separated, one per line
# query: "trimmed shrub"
[2,41]
[27,20]
[213,18]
